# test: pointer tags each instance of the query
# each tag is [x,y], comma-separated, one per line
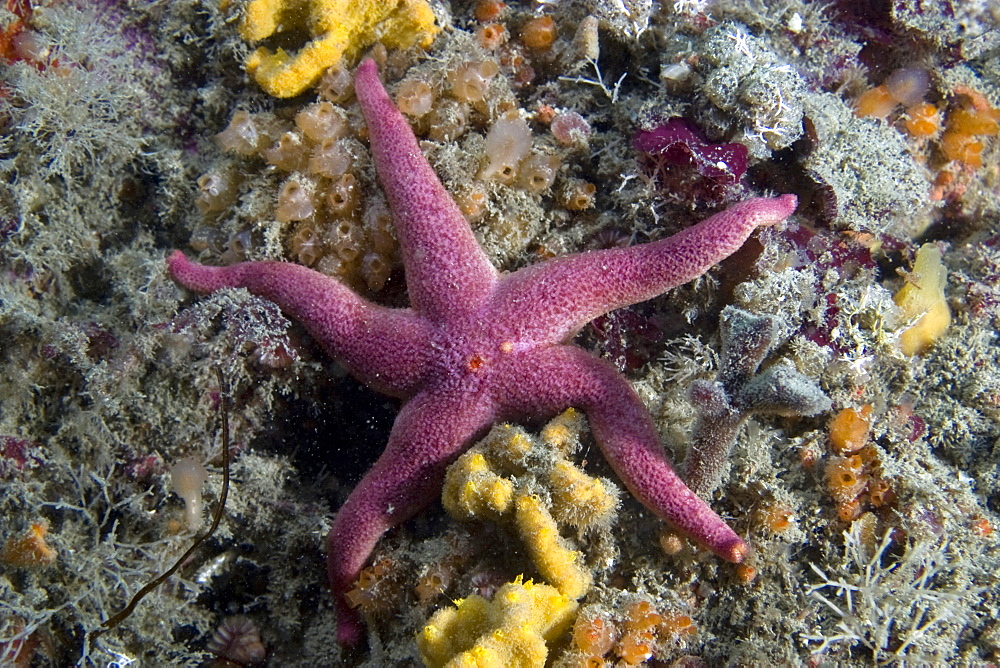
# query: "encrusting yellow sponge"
[512,477]
[342,30]
[472,490]
[510,630]
[578,499]
[923,297]
[530,483]
[555,560]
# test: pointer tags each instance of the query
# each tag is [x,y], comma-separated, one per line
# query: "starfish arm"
[549,379]
[384,348]
[429,433]
[446,270]
[552,300]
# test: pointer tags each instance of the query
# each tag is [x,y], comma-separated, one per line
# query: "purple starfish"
[476,347]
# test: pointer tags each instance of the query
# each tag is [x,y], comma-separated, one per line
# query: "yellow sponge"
[578,499]
[512,477]
[510,630]
[342,30]
[924,298]
[555,560]
[472,490]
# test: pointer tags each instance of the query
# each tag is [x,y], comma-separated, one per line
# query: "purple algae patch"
[678,143]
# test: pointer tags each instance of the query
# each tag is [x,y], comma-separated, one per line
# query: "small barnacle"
[343,196]
[304,243]
[447,121]
[245,134]
[415,98]
[507,144]
[849,429]
[470,81]
[216,191]
[345,237]
[238,640]
[491,36]
[295,200]
[336,84]
[321,121]
[539,33]
[670,542]
[578,195]
[537,172]
[472,201]
[329,158]
[676,77]
[289,153]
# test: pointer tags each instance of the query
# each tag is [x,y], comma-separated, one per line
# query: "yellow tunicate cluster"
[511,630]
[923,298]
[342,29]
[510,476]
[319,201]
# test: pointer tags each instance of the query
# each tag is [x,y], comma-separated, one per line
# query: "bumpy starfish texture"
[476,347]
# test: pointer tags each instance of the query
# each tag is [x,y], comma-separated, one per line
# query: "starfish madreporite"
[476,347]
